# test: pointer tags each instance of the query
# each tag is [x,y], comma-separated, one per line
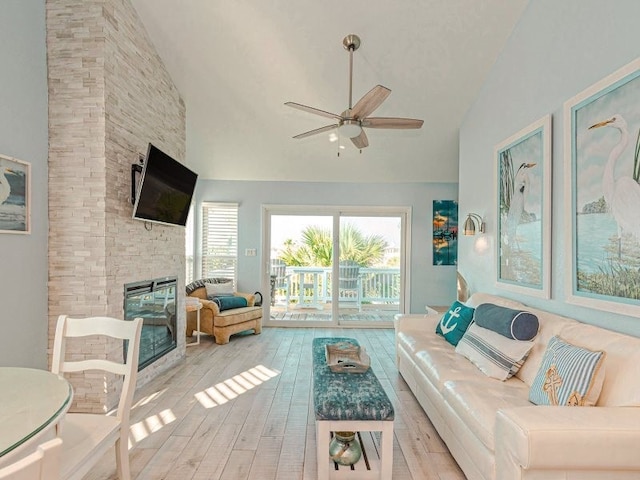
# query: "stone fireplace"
[109,96]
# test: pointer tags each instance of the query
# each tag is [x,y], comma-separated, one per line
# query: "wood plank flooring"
[244,411]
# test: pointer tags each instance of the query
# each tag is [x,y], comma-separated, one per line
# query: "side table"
[195,308]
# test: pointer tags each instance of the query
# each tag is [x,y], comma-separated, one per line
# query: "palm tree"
[316,248]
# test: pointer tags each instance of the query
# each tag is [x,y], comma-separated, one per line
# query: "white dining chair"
[87,437]
[43,464]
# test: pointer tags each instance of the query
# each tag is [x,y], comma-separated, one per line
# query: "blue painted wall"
[556,50]
[23,135]
[430,285]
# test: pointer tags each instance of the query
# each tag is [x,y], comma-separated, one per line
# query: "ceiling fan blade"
[326,128]
[371,100]
[361,140]
[392,122]
[315,111]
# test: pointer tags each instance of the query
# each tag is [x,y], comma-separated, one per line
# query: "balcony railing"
[313,286]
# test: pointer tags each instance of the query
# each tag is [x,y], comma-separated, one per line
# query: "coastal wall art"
[15,192]
[602,143]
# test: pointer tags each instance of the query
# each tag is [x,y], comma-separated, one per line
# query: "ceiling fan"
[353,119]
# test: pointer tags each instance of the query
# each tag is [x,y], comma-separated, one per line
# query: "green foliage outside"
[316,247]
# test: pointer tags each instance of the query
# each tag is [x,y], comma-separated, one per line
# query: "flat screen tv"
[165,190]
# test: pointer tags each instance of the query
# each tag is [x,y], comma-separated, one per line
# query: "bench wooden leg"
[386,456]
[323,438]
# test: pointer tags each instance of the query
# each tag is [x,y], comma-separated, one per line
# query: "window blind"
[219,240]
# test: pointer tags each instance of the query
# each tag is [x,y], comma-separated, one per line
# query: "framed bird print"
[523,210]
[15,192]
[602,171]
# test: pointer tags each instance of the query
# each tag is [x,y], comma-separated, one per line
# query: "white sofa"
[491,428]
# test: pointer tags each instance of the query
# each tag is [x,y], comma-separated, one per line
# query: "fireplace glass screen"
[155,302]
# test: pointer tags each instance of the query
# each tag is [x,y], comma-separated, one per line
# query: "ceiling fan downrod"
[351,43]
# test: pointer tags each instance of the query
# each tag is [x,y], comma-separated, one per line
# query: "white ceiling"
[236,62]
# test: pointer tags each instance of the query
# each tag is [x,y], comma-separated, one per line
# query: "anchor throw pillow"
[455,322]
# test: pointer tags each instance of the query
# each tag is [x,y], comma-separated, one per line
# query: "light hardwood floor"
[244,411]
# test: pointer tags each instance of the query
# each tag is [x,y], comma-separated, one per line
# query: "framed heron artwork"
[523,204]
[602,171]
[15,192]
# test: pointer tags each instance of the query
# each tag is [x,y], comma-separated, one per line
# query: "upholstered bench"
[349,402]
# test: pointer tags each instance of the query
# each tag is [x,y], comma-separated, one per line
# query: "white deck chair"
[349,283]
[87,437]
[43,464]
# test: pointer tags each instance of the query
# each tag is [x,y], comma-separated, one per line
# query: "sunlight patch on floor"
[237,385]
[148,398]
[151,424]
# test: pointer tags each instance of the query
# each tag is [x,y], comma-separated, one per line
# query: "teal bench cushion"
[346,396]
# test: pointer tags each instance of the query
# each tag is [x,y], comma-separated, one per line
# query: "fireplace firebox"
[155,302]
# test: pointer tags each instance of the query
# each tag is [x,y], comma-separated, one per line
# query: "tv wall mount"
[136,168]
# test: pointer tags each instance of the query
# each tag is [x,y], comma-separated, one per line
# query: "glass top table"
[32,402]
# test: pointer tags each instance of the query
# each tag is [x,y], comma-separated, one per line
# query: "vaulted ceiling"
[237,62]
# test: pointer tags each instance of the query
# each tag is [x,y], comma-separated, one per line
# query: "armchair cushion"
[218,289]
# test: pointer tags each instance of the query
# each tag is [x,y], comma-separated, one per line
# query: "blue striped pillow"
[568,375]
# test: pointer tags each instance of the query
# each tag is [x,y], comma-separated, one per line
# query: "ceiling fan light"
[350,128]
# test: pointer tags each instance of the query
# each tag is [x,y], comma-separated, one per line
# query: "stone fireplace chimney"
[109,96]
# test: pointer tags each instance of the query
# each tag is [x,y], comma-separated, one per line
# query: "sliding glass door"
[300,262]
[334,266]
[368,287]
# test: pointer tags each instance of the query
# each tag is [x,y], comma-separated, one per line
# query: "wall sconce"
[470,224]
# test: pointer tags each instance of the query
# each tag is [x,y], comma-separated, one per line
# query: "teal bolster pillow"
[227,303]
[455,322]
[514,324]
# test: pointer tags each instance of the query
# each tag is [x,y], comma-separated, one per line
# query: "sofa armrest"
[415,321]
[566,438]
[250,297]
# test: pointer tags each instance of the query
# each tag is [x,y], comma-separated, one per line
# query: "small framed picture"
[445,232]
[15,195]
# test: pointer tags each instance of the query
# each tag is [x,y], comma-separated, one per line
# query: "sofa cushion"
[479,298]
[513,324]
[229,302]
[568,375]
[455,322]
[476,402]
[495,355]
[621,387]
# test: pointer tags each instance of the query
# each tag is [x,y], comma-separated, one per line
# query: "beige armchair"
[222,324]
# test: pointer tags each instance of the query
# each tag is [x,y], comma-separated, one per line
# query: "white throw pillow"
[495,355]
[219,289]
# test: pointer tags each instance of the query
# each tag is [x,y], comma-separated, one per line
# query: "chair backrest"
[348,273]
[111,327]
[279,270]
[43,464]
